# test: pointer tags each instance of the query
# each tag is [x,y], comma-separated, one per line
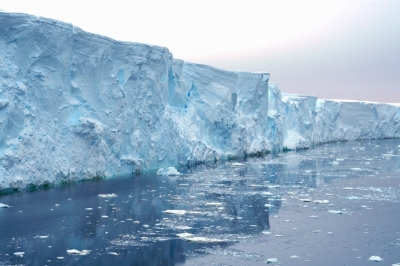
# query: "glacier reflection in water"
[232,210]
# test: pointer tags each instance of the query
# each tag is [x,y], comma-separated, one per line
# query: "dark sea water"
[334,204]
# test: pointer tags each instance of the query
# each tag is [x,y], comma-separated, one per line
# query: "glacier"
[75,105]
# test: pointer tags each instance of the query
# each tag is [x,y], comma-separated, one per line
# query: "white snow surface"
[75,105]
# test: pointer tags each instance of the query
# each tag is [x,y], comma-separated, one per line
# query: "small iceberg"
[176,212]
[375,258]
[335,212]
[2,205]
[77,252]
[41,237]
[199,239]
[113,253]
[305,200]
[170,171]
[347,188]
[213,204]
[271,260]
[237,164]
[108,195]
[19,254]
[321,201]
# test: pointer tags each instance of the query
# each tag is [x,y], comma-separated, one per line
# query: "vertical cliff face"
[219,113]
[75,105]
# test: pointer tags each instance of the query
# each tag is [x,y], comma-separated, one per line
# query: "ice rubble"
[74,105]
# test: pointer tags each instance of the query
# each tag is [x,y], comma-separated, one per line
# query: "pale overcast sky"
[331,49]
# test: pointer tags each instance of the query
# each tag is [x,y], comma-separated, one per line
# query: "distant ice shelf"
[74,105]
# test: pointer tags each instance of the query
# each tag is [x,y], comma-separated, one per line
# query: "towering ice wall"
[74,105]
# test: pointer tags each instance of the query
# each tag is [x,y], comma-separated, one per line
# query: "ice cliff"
[75,105]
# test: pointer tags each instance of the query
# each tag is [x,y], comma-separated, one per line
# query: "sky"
[330,49]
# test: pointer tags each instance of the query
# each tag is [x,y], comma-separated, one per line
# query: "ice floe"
[335,212]
[321,201]
[77,252]
[170,171]
[176,212]
[199,239]
[41,237]
[375,258]
[271,260]
[108,195]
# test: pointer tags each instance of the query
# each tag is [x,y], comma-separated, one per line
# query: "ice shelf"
[75,105]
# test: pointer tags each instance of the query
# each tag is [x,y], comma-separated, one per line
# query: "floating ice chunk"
[194,212]
[271,260]
[255,185]
[2,205]
[177,212]
[347,188]
[294,257]
[313,216]
[278,235]
[198,239]
[335,212]
[184,235]
[375,258]
[213,204]
[104,216]
[113,253]
[183,227]
[266,193]
[41,236]
[108,195]
[60,258]
[305,200]
[19,254]
[268,205]
[266,232]
[335,163]
[170,171]
[356,169]
[236,164]
[352,198]
[316,231]
[396,264]
[136,222]
[308,171]
[88,209]
[321,201]
[77,252]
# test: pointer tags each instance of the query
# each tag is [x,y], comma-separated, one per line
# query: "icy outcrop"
[75,105]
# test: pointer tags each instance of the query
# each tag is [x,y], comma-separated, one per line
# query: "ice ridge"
[74,105]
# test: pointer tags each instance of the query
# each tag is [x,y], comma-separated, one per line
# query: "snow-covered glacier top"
[75,105]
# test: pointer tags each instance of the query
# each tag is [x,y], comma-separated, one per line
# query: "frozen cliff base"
[74,105]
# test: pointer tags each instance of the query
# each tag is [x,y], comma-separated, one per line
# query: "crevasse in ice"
[74,105]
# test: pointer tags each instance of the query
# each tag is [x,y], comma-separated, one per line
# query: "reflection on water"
[207,207]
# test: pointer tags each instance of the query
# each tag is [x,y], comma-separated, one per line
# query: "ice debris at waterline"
[75,105]
[170,171]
